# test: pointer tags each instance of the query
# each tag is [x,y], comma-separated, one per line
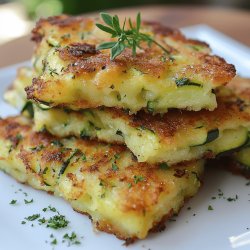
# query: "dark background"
[37,8]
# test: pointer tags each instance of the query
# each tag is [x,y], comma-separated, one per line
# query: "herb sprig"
[129,38]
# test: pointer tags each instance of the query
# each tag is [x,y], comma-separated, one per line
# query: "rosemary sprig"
[130,38]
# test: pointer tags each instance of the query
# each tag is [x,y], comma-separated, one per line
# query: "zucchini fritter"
[174,137]
[122,196]
[238,162]
[72,73]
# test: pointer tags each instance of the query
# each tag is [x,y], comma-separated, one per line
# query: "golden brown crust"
[241,87]
[139,186]
[62,21]
[168,125]
[158,226]
[148,60]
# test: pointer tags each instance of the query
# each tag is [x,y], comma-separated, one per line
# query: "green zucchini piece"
[151,106]
[43,106]
[67,162]
[185,81]
[211,136]
[231,141]
[29,108]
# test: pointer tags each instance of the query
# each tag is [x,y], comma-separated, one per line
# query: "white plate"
[223,228]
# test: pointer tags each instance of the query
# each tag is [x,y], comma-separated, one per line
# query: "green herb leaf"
[164,166]
[138,22]
[138,178]
[13,202]
[42,221]
[28,202]
[57,221]
[84,158]
[107,18]
[37,148]
[114,167]
[72,239]
[106,29]
[116,24]
[130,38]
[107,45]
[116,156]
[32,217]
[53,242]
[210,207]
[117,50]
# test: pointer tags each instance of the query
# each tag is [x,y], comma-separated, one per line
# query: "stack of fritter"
[80,110]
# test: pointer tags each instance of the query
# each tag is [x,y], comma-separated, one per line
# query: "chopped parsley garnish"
[114,167]
[53,242]
[38,148]
[57,221]
[53,209]
[118,97]
[32,217]
[23,222]
[42,220]
[138,178]
[71,239]
[232,199]
[171,220]
[84,158]
[101,183]
[19,137]
[52,71]
[116,156]
[49,208]
[210,207]
[13,202]
[45,170]
[164,166]
[28,202]
[220,193]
